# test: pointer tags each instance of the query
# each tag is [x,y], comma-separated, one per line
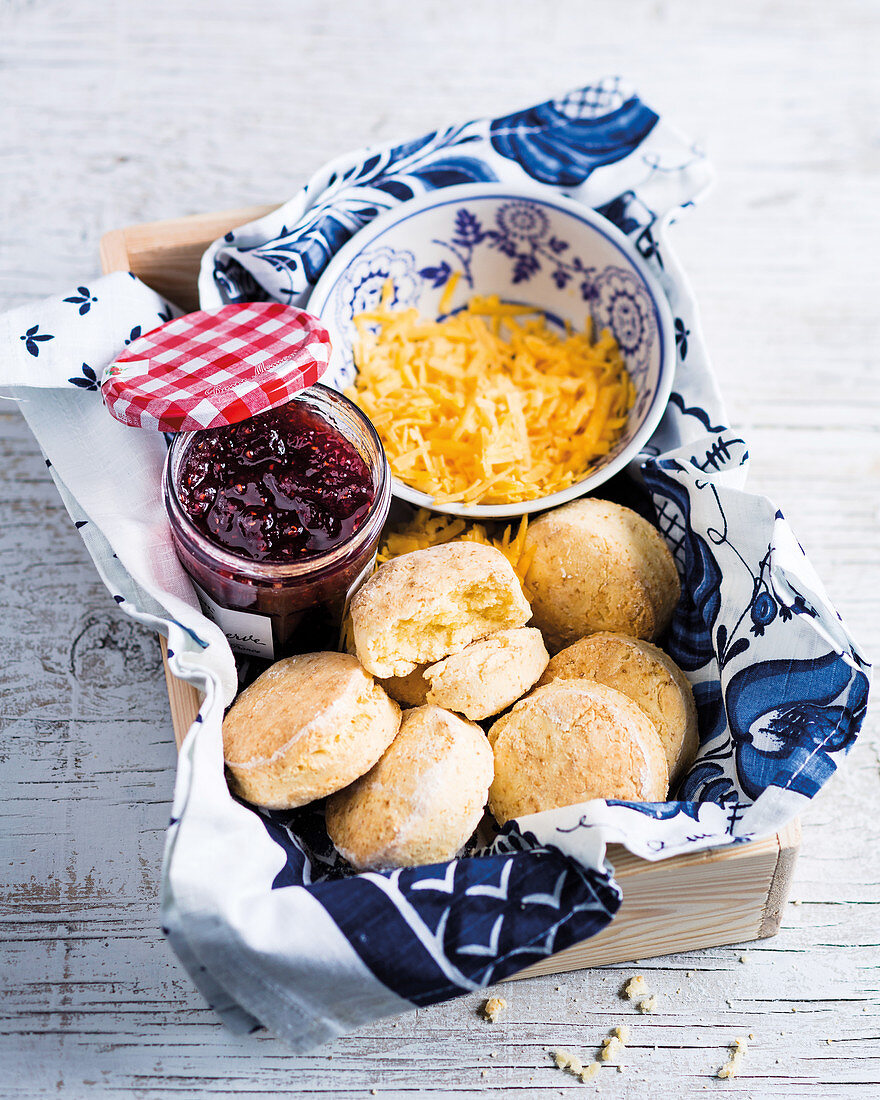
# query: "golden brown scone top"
[569,742]
[422,606]
[421,801]
[598,566]
[308,726]
[489,675]
[645,674]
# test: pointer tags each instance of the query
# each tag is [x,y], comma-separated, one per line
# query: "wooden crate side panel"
[780,887]
[166,255]
[184,699]
[707,899]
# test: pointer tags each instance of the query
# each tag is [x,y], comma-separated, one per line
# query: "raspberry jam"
[280,487]
[276,519]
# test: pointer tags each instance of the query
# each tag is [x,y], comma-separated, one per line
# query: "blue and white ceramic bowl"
[529,247]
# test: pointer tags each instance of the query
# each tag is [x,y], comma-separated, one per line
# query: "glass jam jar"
[277,519]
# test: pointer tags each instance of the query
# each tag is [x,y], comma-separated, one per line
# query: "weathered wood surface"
[130,111]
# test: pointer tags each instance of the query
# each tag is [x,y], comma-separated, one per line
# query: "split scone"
[571,741]
[646,675]
[421,801]
[488,676]
[422,606]
[310,725]
[598,566]
[480,680]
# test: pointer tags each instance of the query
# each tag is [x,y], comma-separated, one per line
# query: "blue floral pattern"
[621,303]
[522,233]
[558,143]
[298,253]
[562,141]
[681,335]
[763,721]
[788,717]
[83,298]
[33,338]
[87,380]
[367,278]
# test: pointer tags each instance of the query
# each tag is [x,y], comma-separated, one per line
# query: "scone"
[423,799]
[488,675]
[308,726]
[598,566]
[571,741]
[646,675]
[422,606]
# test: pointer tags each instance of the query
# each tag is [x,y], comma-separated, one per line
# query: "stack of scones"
[451,635]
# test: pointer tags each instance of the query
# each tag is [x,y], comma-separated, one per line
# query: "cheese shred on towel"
[489,406]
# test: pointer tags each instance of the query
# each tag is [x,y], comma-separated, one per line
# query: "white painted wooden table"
[132,110]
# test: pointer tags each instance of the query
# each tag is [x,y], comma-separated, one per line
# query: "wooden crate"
[720,896]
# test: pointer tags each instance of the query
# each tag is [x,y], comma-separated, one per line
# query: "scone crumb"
[611,1048]
[565,1060]
[493,1008]
[570,1063]
[743,958]
[648,1004]
[636,987]
[732,1066]
[589,1072]
[614,1045]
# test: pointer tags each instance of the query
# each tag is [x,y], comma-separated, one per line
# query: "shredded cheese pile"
[429,529]
[488,406]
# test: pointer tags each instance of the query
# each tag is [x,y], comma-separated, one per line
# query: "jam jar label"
[247,632]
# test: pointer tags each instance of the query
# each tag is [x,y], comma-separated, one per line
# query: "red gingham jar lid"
[216,367]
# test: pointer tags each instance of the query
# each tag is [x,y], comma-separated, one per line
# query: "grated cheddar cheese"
[426,528]
[489,406]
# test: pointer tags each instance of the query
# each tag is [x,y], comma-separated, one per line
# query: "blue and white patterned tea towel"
[258,906]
